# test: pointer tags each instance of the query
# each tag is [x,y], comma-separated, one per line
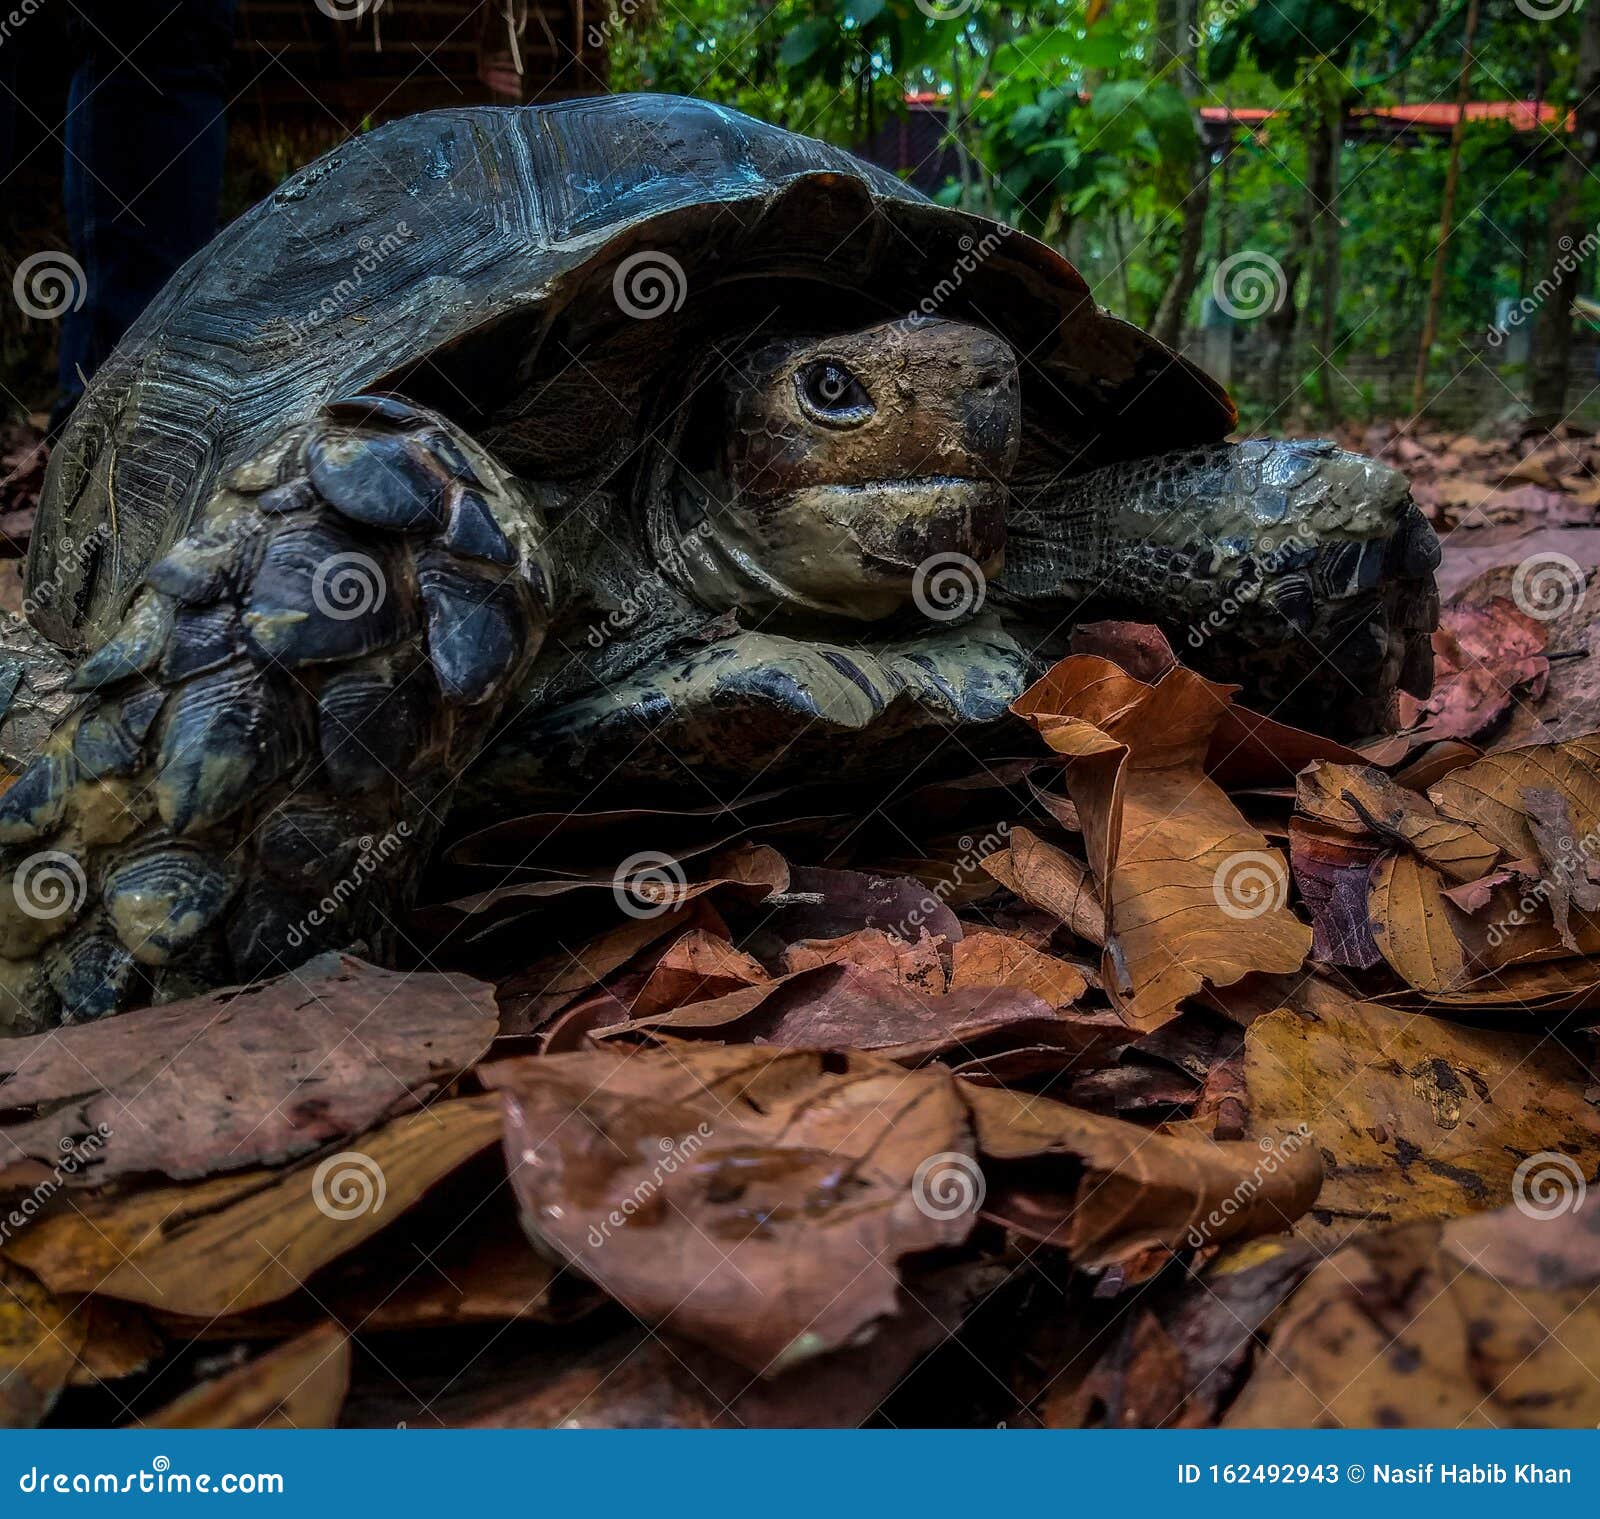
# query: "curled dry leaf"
[1416,1118]
[240,1078]
[1193,893]
[1129,1188]
[232,1243]
[1051,880]
[1486,1322]
[754,1201]
[696,966]
[298,1385]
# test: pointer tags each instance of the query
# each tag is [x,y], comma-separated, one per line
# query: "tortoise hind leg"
[266,746]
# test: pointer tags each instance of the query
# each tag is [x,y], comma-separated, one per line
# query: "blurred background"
[1350,211]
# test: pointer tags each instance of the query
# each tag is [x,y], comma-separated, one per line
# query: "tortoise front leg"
[1300,570]
[267,745]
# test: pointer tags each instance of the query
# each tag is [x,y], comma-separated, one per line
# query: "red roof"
[1523,115]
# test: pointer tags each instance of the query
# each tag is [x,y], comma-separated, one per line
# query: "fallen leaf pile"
[1175,1068]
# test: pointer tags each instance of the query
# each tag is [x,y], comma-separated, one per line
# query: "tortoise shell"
[533,272]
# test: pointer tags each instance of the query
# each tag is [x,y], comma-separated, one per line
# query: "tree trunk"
[1181,50]
[1447,211]
[1552,334]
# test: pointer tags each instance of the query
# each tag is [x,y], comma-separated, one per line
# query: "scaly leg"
[265,748]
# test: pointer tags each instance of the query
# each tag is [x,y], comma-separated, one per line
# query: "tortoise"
[506,454]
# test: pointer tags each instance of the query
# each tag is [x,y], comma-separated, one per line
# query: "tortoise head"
[843,464]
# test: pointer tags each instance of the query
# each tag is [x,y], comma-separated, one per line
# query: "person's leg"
[145,135]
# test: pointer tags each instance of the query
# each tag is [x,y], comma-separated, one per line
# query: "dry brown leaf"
[1416,1118]
[299,1385]
[1488,1322]
[241,1078]
[1484,658]
[751,1200]
[1051,880]
[41,1336]
[1193,893]
[697,966]
[232,1243]
[915,965]
[987,958]
[1128,1189]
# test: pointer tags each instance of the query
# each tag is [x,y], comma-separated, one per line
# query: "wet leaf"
[299,1385]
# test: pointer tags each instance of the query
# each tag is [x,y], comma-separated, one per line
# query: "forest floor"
[772,1113]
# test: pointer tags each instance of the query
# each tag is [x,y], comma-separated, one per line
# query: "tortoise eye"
[830,394]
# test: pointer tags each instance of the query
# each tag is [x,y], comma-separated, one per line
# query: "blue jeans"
[145,136]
